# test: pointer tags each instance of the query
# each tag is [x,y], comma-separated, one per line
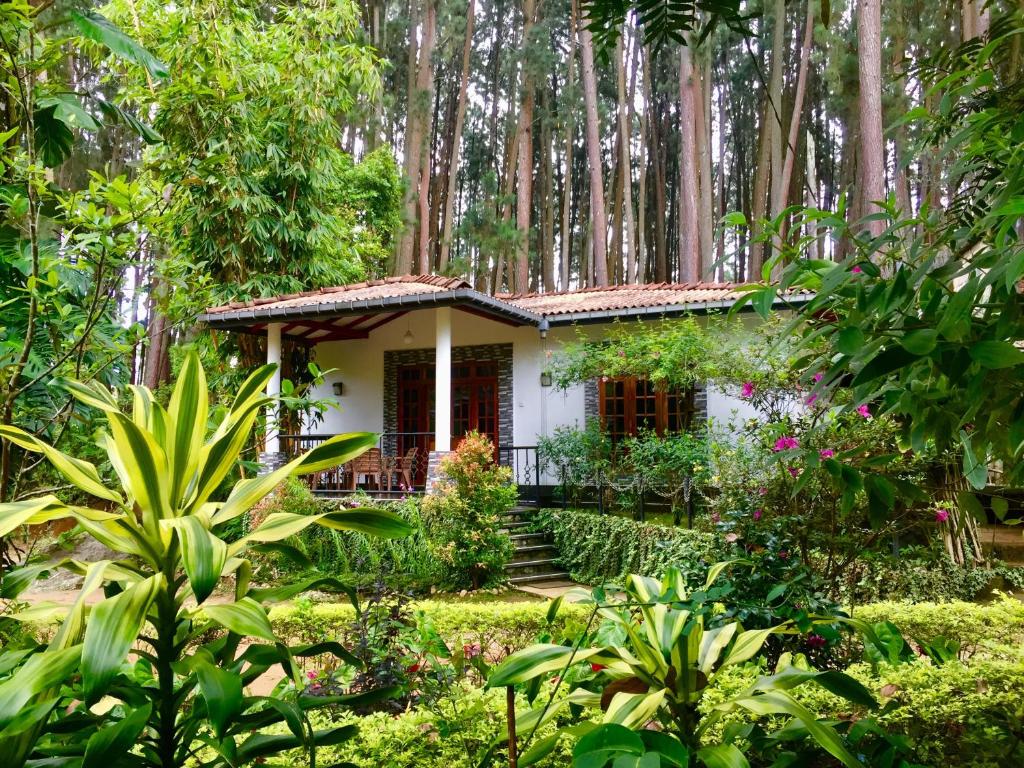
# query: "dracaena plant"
[657,650]
[154,674]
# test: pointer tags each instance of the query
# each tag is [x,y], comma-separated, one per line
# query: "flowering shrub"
[462,516]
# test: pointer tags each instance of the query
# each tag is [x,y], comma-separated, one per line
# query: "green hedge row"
[596,548]
[955,716]
[502,627]
[508,626]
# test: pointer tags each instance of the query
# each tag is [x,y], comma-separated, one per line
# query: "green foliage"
[63,252]
[458,730]
[953,715]
[166,523]
[923,320]
[597,548]
[462,516]
[263,200]
[503,627]
[659,647]
[578,456]
[662,20]
[356,558]
[977,629]
[674,355]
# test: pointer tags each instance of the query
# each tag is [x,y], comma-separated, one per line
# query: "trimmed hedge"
[953,715]
[972,625]
[501,627]
[596,548]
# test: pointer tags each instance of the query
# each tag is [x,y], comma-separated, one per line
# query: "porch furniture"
[406,466]
[370,466]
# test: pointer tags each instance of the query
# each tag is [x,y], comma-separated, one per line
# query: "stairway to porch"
[535,557]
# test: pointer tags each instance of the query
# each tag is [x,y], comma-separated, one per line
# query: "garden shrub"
[971,625]
[456,731]
[956,715]
[359,559]
[502,628]
[462,515]
[596,548]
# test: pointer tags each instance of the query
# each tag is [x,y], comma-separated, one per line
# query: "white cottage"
[423,360]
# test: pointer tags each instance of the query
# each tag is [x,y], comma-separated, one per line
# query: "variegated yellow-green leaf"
[203,554]
[245,617]
[781,703]
[723,756]
[282,525]
[78,472]
[94,394]
[218,458]
[15,514]
[747,645]
[222,691]
[535,661]
[144,464]
[41,672]
[711,645]
[109,744]
[113,626]
[634,710]
[336,451]
[188,412]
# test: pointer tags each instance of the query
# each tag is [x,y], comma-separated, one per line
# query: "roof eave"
[673,310]
[237,318]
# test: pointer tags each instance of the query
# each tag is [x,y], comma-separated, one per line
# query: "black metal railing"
[526,470]
[395,467]
[398,466]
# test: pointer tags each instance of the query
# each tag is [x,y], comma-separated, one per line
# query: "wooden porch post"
[273,445]
[443,382]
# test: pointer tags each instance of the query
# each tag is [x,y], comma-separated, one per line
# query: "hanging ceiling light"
[407,338]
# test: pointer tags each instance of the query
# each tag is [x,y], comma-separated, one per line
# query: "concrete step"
[515,526]
[533,552]
[531,566]
[529,539]
[533,578]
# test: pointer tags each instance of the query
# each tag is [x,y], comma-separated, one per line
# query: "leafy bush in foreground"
[185,690]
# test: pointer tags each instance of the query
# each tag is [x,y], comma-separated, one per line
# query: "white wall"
[537,410]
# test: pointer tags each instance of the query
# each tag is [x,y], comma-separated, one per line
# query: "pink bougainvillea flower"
[794,471]
[748,390]
[762,491]
[818,377]
[826,453]
[864,411]
[786,443]
[811,400]
[856,269]
[784,554]
[311,675]
[941,515]
[758,513]
[816,641]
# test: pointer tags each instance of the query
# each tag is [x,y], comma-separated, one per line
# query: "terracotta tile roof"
[388,287]
[622,297]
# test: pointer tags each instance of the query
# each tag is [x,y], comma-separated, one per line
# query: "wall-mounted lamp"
[544,327]
[339,388]
[545,379]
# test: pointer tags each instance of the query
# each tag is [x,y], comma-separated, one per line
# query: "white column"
[273,385]
[443,381]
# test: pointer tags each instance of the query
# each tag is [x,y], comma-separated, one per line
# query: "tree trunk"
[425,87]
[642,270]
[793,137]
[872,148]
[600,225]
[689,237]
[410,152]
[778,193]
[524,196]
[460,121]
[700,83]
[625,162]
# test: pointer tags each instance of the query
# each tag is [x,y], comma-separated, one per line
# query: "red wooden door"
[474,402]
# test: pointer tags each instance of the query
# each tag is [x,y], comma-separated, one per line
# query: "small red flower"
[596,667]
